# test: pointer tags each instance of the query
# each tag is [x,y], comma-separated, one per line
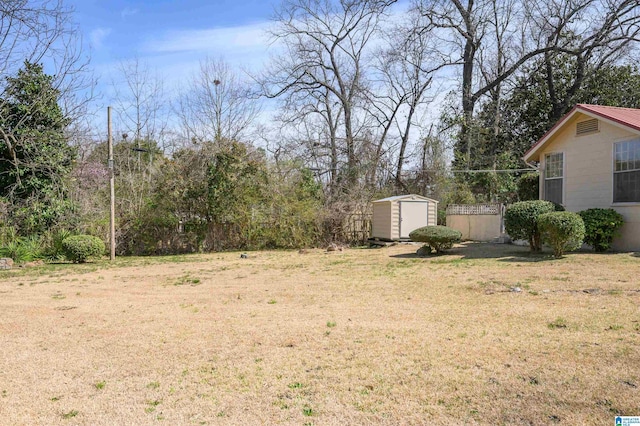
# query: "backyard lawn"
[487,335]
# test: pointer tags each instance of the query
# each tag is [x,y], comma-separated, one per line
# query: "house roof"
[625,117]
[405,197]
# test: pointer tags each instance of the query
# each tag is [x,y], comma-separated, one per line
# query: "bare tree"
[140,102]
[43,32]
[405,69]
[430,173]
[218,105]
[309,123]
[324,47]
[492,39]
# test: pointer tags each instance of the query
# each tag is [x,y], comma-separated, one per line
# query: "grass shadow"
[513,253]
[417,256]
[478,250]
[504,253]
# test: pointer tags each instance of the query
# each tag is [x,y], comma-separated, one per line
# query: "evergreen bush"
[521,221]
[528,186]
[79,248]
[438,238]
[563,231]
[601,227]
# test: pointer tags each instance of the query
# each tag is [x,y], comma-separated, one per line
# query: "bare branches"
[405,69]
[218,105]
[324,45]
[140,102]
[44,88]
[496,38]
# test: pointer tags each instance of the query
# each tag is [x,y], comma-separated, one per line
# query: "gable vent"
[588,126]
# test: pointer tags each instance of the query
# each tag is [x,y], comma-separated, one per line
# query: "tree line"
[371,97]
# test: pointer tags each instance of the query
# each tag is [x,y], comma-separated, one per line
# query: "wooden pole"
[112,217]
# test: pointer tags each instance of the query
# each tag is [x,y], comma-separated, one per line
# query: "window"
[553,177]
[626,172]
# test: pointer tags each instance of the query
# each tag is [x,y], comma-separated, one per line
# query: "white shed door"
[413,215]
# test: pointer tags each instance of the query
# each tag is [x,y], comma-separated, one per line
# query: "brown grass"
[364,336]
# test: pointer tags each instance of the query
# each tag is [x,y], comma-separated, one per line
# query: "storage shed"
[395,217]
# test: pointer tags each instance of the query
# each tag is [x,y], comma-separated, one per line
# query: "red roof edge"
[596,110]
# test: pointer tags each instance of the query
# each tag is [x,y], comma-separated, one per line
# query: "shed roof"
[412,197]
[625,117]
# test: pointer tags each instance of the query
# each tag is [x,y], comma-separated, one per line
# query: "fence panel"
[477,222]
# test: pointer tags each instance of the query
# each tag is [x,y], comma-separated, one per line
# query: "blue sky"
[173,36]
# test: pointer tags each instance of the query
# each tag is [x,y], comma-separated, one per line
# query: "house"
[591,158]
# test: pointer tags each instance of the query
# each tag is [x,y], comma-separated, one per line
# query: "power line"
[484,171]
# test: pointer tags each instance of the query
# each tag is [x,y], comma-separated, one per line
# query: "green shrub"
[79,248]
[52,241]
[601,227]
[528,186]
[563,231]
[438,238]
[22,249]
[521,221]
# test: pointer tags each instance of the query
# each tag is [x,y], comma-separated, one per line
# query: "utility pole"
[112,217]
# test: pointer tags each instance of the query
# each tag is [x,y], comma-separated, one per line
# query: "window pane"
[618,160]
[635,156]
[553,190]
[627,156]
[626,187]
[553,165]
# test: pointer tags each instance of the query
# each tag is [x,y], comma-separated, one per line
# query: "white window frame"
[614,171]
[562,176]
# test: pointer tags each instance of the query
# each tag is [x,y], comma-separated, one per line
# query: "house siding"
[588,174]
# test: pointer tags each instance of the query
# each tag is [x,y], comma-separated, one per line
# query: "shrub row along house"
[591,158]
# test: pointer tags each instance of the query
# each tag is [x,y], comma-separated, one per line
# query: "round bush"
[601,227]
[521,220]
[438,238]
[528,186]
[79,248]
[563,231]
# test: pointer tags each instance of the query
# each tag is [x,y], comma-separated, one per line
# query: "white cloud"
[97,37]
[215,39]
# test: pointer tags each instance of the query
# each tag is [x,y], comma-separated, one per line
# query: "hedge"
[79,248]
[521,220]
[438,238]
[563,231]
[601,227]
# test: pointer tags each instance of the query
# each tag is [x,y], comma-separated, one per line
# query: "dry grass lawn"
[364,336]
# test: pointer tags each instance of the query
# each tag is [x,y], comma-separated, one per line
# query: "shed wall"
[394,209]
[382,219]
[432,219]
